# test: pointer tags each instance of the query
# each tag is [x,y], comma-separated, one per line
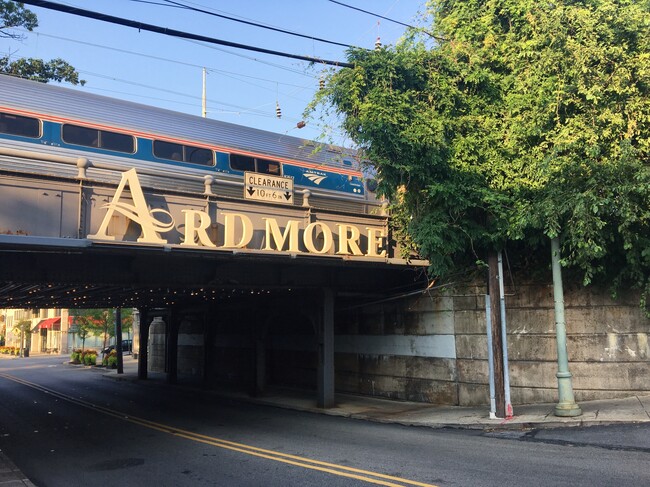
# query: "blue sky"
[242,86]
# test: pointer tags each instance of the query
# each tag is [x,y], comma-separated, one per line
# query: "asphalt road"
[71,426]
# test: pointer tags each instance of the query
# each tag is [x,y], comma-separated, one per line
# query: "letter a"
[138,212]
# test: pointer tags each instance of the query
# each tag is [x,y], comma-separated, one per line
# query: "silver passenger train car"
[44,126]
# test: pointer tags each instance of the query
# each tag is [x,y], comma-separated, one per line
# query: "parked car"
[127,347]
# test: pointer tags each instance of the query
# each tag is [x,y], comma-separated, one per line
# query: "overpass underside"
[229,292]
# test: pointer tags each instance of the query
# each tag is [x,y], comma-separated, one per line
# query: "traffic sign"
[264,187]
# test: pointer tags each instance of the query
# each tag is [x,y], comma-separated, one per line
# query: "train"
[174,150]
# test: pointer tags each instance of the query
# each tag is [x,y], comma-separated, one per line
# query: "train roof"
[58,101]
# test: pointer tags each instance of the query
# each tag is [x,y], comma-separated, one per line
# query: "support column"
[143,352]
[208,342]
[566,405]
[172,346]
[259,385]
[261,323]
[326,350]
[118,340]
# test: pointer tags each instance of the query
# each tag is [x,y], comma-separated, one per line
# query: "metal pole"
[566,405]
[118,340]
[497,333]
[488,319]
[504,339]
[204,108]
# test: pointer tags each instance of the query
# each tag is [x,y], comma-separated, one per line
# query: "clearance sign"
[238,229]
[263,187]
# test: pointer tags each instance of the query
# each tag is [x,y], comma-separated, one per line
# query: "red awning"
[50,324]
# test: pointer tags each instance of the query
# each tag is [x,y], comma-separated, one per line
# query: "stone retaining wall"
[607,343]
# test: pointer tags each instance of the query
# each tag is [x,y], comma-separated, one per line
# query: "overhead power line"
[254,24]
[440,39]
[371,13]
[174,33]
[174,61]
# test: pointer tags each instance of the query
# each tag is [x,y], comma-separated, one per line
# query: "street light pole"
[566,405]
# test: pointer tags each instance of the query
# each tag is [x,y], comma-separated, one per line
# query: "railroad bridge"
[228,288]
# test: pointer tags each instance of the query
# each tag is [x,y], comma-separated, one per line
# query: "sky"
[243,87]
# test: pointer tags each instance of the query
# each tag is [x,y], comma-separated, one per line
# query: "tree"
[83,329]
[101,321]
[513,121]
[23,328]
[12,15]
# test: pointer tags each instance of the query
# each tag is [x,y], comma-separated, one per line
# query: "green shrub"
[88,357]
[110,360]
[75,356]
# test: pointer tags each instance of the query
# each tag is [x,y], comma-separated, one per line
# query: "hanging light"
[278,112]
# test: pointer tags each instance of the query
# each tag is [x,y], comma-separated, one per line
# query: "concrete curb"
[10,474]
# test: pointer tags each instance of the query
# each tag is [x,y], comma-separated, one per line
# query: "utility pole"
[497,339]
[566,405]
[204,111]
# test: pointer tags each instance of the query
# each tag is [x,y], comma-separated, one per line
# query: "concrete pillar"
[143,346]
[326,350]
[65,329]
[260,367]
[209,318]
[172,346]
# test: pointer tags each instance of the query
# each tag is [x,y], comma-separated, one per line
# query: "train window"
[101,139]
[180,152]
[242,163]
[167,150]
[19,125]
[268,167]
[116,142]
[197,155]
[74,134]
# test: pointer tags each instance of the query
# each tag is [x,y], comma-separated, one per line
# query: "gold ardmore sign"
[297,236]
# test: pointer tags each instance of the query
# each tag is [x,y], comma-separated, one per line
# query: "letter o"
[308,238]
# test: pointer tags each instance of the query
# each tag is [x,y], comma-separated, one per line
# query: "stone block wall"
[434,348]
[607,345]
[401,350]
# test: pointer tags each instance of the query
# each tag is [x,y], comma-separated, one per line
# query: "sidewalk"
[634,409]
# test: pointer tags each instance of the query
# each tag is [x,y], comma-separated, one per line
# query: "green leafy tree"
[23,329]
[83,329]
[13,15]
[512,121]
[101,321]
